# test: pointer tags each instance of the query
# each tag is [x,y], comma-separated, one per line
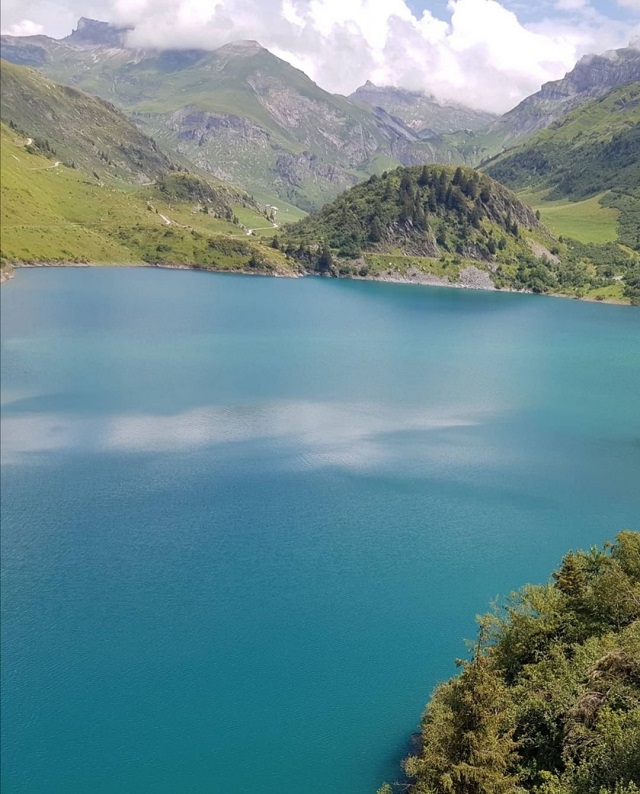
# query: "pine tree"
[424,178]
[468,745]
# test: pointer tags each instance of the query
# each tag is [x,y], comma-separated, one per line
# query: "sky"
[488,54]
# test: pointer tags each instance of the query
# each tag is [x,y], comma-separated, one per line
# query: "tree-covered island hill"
[549,702]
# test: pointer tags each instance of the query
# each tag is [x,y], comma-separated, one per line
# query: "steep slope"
[438,224]
[422,113]
[59,214]
[77,128]
[594,150]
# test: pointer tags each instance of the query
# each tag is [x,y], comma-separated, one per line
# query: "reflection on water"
[246,523]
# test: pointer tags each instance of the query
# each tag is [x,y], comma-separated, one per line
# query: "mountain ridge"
[238,111]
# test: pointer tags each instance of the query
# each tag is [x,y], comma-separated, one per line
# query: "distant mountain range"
[249,117]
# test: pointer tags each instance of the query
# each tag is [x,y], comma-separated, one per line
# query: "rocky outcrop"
[92,32]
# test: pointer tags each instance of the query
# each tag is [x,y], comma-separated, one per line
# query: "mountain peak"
[243,49]
[93,31]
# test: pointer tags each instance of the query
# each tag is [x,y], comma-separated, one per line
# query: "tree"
[424,179]
[468,745]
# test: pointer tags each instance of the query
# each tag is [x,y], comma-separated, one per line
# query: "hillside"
[77,128]
[550,701]
[438,224]
[594,151]
[53,213]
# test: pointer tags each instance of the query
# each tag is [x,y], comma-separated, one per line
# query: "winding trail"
[47,167]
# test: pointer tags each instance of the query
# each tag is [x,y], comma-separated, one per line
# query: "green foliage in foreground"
[550,701]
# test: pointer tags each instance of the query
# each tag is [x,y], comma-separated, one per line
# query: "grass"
[443,268]
[587,221]
[64,214]
[613,293]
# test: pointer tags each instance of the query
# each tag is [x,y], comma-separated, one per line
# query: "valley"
[247,522]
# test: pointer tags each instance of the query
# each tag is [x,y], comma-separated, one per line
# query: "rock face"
[91,32]
[423,114]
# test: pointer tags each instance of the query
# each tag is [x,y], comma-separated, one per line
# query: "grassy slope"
[587,220]
[78,128]
[583,173]
[64,214]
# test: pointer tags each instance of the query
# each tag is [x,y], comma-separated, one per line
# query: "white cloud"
[25,27]
[481,54]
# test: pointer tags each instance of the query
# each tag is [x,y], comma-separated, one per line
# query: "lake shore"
[472,278]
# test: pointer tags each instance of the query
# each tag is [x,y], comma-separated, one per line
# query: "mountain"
[422,113]
[90,32]
[592,77]
[445,225]
[248,117]
[239,112]
[593,150]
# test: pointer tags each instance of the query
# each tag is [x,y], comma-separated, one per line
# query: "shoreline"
[417,279]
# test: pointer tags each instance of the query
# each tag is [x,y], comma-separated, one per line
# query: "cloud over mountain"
[481,54]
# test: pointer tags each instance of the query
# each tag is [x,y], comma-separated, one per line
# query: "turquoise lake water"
[247,522]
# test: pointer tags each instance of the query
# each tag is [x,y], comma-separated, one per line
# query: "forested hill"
[550,701]
[445,225]
[426,211]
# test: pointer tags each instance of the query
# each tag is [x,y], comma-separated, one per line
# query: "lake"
[247,522]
